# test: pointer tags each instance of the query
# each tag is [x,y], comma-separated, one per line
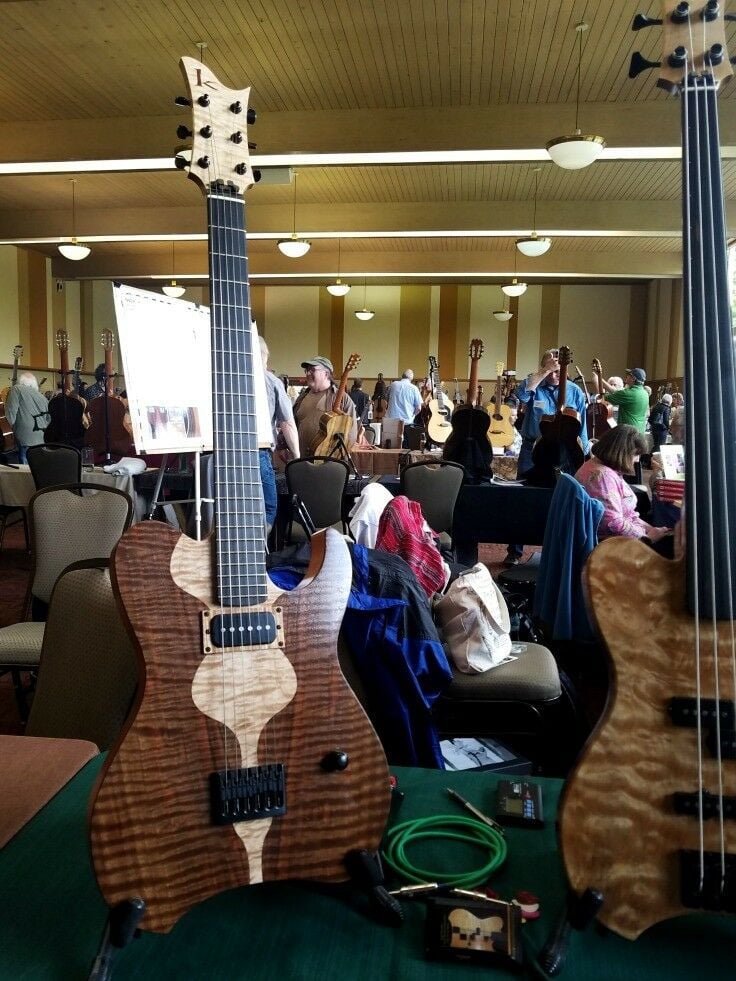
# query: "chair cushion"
[531,677]
[21,643]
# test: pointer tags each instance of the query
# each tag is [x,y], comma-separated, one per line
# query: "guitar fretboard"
[241,567]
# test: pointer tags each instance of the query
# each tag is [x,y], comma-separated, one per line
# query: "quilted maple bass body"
[247,757]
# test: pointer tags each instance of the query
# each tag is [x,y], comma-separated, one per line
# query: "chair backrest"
[435,486]
[54,463]
[320,483]
[88,673]
[67,527]
[370,435]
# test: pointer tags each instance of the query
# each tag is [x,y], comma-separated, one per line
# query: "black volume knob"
[336,759]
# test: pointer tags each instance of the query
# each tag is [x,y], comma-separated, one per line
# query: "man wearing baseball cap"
[319,397]
[632,400]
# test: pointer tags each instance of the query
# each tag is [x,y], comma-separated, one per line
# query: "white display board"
[165,349]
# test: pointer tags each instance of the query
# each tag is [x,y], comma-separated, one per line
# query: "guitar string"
[724,370]
[692,519]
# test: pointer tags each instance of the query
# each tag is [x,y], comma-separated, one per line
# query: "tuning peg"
[257,174]
[714,56]
[183,132]
[681,13]
[206,132]
[641,21]
[251,116]
[252,146]
[729,16]
[181,100]
[640,64]
[180,162]
[710,10]
[204,100]
[236,107]
[240,168]
[678,58]
[237,137]
[203,162]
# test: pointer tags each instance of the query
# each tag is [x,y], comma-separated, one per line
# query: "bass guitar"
[602,414]
[664,841]
[336,426]
[247,758]
[558,447]
[66,409]
[501,431]
[439,408]
[6,430]
[468,443]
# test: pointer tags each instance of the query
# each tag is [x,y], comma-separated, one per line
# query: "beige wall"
[9,320]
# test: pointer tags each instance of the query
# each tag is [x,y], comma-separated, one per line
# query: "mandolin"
[647,815]
[335,422]
[66,409]
[602,412]
[439,408]
[501,431]
[558,447]
[468,441]
[247,757]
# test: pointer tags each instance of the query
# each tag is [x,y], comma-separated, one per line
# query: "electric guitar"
[439,406]
[335,421]
[647,814]
[247,757]
[501,431]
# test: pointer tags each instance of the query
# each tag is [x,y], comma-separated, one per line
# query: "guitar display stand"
[577,915]
[120,929]
[340,451]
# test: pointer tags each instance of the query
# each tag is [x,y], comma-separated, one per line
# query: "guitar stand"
[343,453]
[120,929]
[578,913]
[366,872]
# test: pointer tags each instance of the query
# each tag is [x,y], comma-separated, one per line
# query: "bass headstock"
[220,118]
[62,340]
[693,42]
[476,349]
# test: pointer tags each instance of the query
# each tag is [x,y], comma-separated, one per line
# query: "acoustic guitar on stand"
[439,407]
[336,426]
[247,758]
[66,408]
[602,413]
[501,431]
[468,441]
[558,448]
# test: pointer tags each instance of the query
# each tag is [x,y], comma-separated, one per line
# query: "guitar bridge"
[248,793]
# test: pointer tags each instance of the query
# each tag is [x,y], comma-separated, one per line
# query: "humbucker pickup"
[710,887]
[248,793]
[248,627]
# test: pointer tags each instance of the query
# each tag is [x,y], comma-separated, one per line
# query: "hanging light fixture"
[74,250]
[294,247]
[338,288]
[514,288]
[365,313]
[578,150]
[534,246]
[171,289]
[503,315]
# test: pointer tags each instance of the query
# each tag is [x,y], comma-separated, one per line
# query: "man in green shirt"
[632,400]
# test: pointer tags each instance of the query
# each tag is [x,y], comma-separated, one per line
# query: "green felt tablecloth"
[53,916]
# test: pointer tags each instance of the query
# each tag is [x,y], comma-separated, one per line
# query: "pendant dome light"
[338,288]
[365,313]
[514,288]
[294,247]
[578,150]
[74,250]
[534,246]
[171,289]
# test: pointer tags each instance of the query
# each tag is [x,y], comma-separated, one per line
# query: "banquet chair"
[66,527]
[6,510]
[436,487]
[88,670]
[319,482]
[54,463]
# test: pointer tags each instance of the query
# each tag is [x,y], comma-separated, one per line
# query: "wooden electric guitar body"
[638,758]
[202,709]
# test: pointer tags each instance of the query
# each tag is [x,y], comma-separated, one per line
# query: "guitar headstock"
[62,340]
[351,364]
[693,42]
[476,349]
[597,366]
[499,368]
[564,357]
[17,353]
[433,366]
[107,339]
[220,149]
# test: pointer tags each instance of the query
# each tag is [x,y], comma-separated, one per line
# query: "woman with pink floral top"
[613,455]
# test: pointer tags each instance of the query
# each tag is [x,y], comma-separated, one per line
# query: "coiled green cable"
[399,838]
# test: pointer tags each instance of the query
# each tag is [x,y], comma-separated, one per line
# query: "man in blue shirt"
[404,400]
[539,393]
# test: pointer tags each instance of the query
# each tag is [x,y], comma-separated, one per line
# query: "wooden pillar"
[258,308]
[32,313]
[549,331]
[637,340]
[513,333]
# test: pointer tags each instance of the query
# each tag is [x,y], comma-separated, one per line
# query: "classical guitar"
[558,447]
[501,431]
[647,816]
[107,434]
[468,443]
[66,410]
[247,757]
[602,413]
[335,421]
[76,389]
[6,430]
[439,407]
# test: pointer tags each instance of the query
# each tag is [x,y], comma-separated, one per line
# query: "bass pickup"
[689,805]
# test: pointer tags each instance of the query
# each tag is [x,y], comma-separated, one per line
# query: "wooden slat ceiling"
[319,63]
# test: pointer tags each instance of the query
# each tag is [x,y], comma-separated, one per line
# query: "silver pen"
[474,810]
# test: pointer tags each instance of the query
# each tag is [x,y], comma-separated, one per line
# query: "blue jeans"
[22,453]
[268,482]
